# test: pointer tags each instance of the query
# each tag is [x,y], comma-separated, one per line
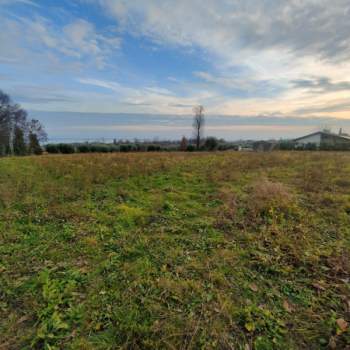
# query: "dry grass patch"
[266,199]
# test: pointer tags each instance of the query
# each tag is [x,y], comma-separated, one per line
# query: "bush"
[66,148]
[211,143]
[38,151]
[51,148]
[139,147]
[93,148]
[191,148]
[113,148]
[84,148]
[126,148]
[153,148]
[310,147]
[103,149]
[286,145]
[338,147]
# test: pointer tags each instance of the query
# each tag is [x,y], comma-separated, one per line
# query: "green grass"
[175,251]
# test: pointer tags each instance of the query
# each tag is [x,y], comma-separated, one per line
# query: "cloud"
[40,95]
[158,100]
[340,106]
[26,40]
[242,57]
[306,27]
[321,85]
[258,52]
[241,86]
[25,2]
[100,83]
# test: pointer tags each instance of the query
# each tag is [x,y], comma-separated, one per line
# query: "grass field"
[175,251]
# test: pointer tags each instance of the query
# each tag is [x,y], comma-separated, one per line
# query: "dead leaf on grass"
[287,306]
[253,287]
[342,324]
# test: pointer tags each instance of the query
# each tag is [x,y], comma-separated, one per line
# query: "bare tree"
[198,124]
[15,129]
[35,127]
[183,144]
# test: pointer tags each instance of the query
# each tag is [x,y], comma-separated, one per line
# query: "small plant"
[59,310]
[267,329]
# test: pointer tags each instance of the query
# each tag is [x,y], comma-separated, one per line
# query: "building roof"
[343,137]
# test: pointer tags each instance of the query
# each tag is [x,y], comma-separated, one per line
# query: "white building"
[324,138]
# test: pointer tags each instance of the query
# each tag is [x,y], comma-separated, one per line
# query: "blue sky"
[147,63]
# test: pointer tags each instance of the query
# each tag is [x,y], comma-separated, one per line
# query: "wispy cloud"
[25,2]
[321,85]
[330,107]
[25,40]
[224,27]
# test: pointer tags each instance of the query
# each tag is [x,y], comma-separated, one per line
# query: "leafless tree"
[15,127]
[183,144]
[198,124]
[35,127]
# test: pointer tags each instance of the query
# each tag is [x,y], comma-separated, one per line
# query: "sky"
[93,69]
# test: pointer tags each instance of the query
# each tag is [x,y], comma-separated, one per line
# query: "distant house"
[325,139]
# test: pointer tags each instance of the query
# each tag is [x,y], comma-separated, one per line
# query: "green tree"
[19,146]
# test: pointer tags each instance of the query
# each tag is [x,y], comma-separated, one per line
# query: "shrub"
[191,148]
[211,143]
[103,149]
[337,147]
[38,151]
[140,147]
[52,148]
[85,148]
[93,148]
[126,148]
[310,147]
[153,148]
[66,148]
[286,145]
[113,148]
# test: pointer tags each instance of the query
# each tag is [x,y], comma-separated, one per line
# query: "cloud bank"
[279,58]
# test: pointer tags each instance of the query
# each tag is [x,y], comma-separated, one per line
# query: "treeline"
[67,148]
[208,144]
[18,134]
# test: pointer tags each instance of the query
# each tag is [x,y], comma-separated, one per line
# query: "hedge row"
[66,148]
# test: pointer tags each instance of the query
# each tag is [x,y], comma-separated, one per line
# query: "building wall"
[316,139]
[331,140]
